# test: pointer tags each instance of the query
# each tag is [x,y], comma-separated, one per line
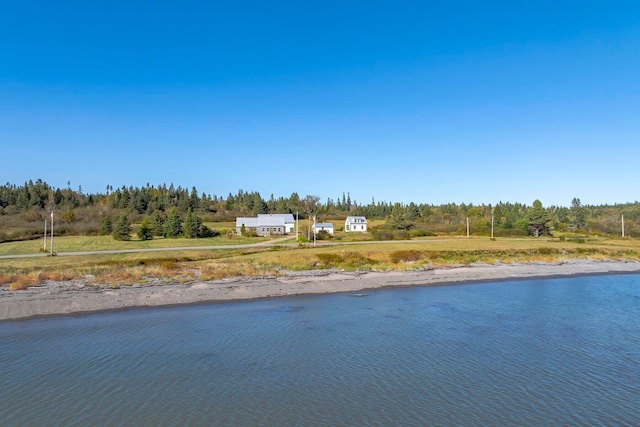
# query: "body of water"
[536,352]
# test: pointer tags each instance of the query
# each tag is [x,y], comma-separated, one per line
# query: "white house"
[267,224]
[355,223]
[323,226]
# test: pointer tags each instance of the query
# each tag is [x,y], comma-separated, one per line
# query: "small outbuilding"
[323,226]
[355,223]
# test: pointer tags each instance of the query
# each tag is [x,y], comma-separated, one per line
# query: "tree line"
[23,208]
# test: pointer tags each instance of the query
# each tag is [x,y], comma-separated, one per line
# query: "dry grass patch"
[406,256]
[23,281]
[346,260]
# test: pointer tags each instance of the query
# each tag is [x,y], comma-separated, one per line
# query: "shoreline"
[82,296]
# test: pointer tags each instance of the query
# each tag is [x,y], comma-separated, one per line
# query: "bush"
[406,256]
[208,232]
[330,259]
[382,235]
[546,251]
[401,235]
[419,232]
[32,216]
[323,235]
[346,260]
[356,259]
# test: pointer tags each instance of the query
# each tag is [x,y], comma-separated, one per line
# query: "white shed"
[323,226]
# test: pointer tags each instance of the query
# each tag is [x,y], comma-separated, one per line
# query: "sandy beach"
[77,296]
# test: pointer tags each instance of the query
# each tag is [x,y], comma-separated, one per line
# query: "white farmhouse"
[267,224]
[324,226]
[355,223]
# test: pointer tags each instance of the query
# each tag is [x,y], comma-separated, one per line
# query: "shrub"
[18,286]
[323,235]
[6,279]
[356,259]
[418,232]
[406,256]
[32,216]
[401,235]
[546,251]
[330,259]
[382,235]
[208,232]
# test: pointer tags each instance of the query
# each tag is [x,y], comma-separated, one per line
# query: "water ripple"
[550,352]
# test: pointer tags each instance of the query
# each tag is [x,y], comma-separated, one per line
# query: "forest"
[24,209]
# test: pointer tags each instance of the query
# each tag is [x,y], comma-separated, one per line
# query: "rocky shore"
[76,296]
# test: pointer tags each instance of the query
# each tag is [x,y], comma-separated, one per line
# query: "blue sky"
[434,102]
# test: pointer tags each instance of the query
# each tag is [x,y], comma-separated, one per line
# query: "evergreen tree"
[107,227]
[578,216]
[146,231]
[173,224]
[192,225]
[122,230]
[157,223]
[194,202]
[538,219]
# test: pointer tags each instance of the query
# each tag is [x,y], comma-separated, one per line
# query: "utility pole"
[314,230]
[622,225]
[45,236]
[297,236]
[467,226]
[51,232]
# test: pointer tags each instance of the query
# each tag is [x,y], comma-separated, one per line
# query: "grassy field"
[188,265]
[103,243]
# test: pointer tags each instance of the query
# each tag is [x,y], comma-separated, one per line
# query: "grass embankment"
[183,265]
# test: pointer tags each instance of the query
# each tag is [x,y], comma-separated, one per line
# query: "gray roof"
[324,225]
[358,219]
[261,221]
[288,218]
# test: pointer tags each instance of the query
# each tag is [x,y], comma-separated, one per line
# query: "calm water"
[543,352]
